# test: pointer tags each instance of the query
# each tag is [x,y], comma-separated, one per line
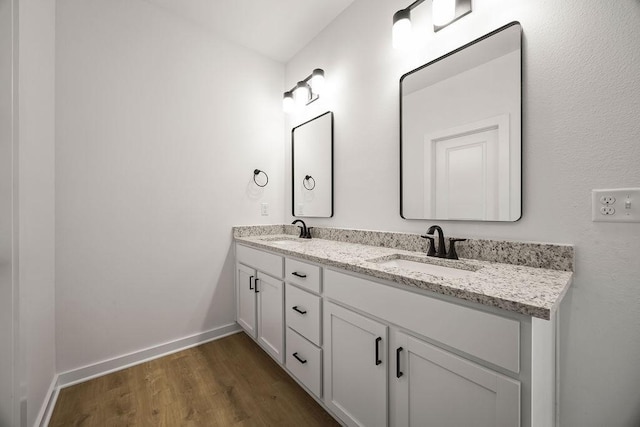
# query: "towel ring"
[310,179]
[257,172]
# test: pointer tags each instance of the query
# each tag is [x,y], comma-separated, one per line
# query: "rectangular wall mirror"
[312,167]
[461,133]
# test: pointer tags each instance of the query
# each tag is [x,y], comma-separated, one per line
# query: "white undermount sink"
[282,240]
[425,267]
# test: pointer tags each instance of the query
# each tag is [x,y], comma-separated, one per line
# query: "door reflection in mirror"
[461,133]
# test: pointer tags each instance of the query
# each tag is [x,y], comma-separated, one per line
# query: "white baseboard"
[95,370]
[44,416]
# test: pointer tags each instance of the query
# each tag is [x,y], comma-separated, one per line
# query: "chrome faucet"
[305,233]
[441,251]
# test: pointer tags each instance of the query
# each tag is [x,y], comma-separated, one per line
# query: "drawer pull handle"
[255,285]
[378,361]
[303,361]
[250,283]
[301,275]
[398,371]
[298,310]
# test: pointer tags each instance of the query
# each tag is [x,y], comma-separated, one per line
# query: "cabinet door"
[355,367]
[246,299]
[432,387]
[270,293]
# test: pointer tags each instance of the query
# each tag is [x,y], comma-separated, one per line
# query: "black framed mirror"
[461,132]
[312,167]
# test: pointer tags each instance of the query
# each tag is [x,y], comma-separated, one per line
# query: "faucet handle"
[452,254]
[431,251]
[309,232]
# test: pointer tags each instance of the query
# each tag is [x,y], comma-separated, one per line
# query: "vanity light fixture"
[443,12]
[304,92]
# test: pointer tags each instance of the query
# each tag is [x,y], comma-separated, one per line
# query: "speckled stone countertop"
[524,289]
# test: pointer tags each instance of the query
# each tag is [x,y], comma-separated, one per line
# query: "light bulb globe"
[301,94]
[401,31]
[317,81]
[288,104]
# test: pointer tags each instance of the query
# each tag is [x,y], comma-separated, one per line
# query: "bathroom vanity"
[382,335]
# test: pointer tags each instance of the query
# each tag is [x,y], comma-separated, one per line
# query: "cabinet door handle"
[378,361]
[301,275]
[255,285]
[298,310]
[250,283]
[303,361]
[398,371]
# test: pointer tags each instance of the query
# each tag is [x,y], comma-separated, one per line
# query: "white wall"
[159,127]
[37,200]
[580,131]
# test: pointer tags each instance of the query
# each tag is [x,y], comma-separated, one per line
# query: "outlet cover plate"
[615,205]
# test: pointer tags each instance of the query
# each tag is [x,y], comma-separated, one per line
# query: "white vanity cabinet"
[260,298]
[379,354]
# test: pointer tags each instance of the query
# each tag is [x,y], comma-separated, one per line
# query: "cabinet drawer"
[303,274]
[303,313]
[263,261]
[487,336]
[304,361]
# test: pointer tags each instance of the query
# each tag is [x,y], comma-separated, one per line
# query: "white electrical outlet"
[264,209]
[607,210]
[607,200]
[616,205]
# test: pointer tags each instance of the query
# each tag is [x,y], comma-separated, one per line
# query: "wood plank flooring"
[227,382]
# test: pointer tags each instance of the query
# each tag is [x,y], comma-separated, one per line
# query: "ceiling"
[277,29]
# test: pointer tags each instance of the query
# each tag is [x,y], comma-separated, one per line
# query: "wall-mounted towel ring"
[257,172]
[312,182]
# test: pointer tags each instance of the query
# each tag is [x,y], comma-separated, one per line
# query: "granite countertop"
[522,289]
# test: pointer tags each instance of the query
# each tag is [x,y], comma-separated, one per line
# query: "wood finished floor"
[227,382]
